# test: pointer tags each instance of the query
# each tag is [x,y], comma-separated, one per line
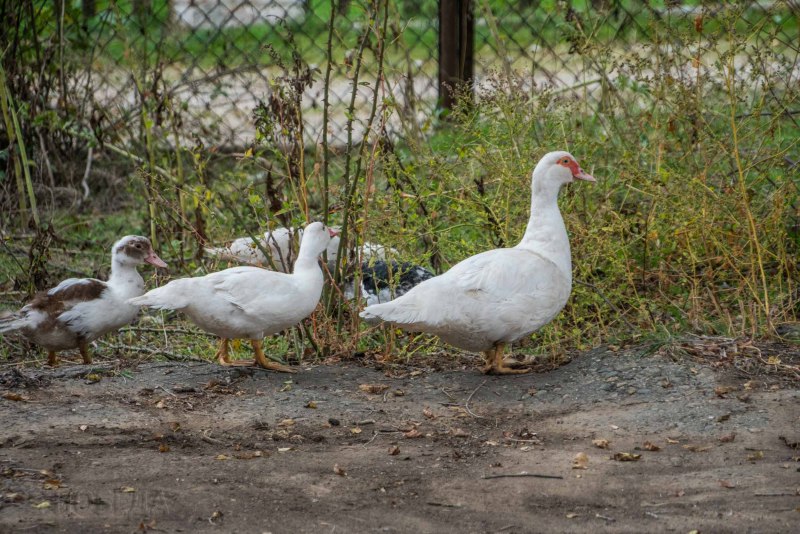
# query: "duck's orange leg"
[52,358]
[262,360]
[222,352]
[497,366]
[83,346]
[489,357]
[224,358]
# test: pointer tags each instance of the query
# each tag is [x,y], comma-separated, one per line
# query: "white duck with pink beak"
[500,296]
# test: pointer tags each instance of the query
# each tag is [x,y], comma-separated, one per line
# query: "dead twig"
[166,390]
[208,439]
[168,330]
[154,352]
[466,404]
[443,504]
[86,173]
[521,475]
[374,435]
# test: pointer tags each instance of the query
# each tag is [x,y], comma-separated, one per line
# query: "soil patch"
[194,447]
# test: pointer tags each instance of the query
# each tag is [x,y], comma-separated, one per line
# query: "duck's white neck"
[124,274]
[546,233]
[307,265]
[306,262]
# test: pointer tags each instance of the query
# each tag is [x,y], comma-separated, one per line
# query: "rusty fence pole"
[456,49]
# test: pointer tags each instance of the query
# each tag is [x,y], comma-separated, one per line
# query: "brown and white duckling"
[79,310]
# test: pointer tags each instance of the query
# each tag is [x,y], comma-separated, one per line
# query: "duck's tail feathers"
[370,315]
[11,322]
[168,297]
[390,313]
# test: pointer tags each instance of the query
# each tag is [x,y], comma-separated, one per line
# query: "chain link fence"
[207,63]
[212,61]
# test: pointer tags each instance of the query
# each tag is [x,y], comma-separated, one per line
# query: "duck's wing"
[57,303]
[253,290]
[74,289]
[70,300]
[503,273]
[501,281]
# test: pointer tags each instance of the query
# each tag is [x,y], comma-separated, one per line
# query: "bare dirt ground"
[194,447]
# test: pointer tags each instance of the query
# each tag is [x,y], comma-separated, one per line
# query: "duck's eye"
[138,245]
[565,161]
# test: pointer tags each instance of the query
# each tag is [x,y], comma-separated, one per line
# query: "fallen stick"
[518,475]
[466,404]
[443,504]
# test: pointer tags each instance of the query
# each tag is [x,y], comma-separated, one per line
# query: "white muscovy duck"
[497,297]
[279,244]
[79,310]
[249,302]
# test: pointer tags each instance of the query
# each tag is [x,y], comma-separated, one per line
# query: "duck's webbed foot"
[496,365]
[262,360]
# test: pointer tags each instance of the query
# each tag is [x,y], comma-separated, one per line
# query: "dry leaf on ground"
[248,455]
[721,391]
[652,447]
[626,457]
[373,389]
[600,443]
[697,448]
[52,483]
[339,471]
[581,461]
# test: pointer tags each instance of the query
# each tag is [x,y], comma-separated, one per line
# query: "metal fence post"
[456,48]
[89,8]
